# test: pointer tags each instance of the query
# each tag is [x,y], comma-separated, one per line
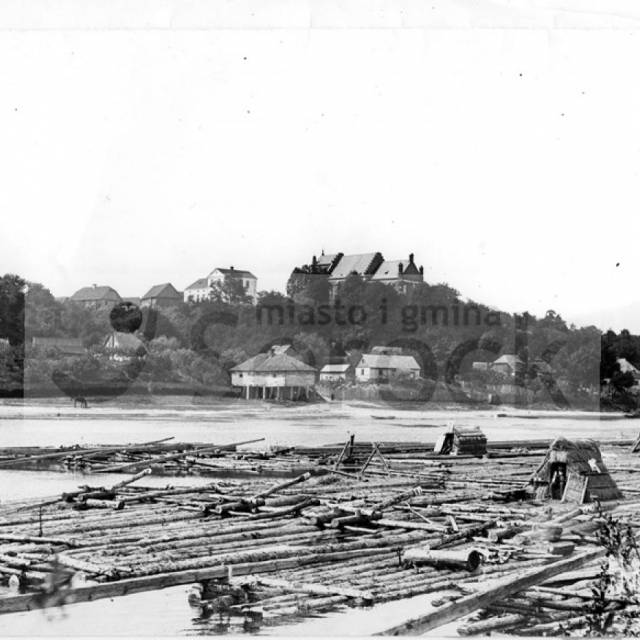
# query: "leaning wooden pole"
[496,591]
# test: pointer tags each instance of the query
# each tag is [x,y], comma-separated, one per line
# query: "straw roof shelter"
[573,471]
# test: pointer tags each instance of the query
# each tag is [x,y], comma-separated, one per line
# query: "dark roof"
[361,264]
[278,362]
[238,273]
[166,290]
[200,283]
[133,300]
[94,294]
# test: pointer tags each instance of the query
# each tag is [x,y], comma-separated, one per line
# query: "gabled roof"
[373,361]
[335,368]
[381,350]
[121,342]
[200,283]
[166,290]
[94,294]
[387,270]
[237,273]
[360,263]
[508,358]
[268,362]
[326,260]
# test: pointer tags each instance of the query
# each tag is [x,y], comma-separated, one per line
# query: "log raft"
[465,530]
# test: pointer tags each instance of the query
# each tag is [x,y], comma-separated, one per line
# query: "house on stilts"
[573,471]
[275,375]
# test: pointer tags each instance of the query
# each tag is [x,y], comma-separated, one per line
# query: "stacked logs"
[263,551]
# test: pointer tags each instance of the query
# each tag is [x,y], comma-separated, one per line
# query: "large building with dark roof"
[96,296]
[372,267]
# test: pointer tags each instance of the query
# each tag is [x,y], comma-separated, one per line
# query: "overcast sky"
[498,142]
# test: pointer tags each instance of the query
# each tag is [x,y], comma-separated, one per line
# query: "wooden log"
[92,567]
[313,589]
[279,513]
[174,456]
[61,453]
[468,559]
[282,485]
[490,594]
[38,539]
[493,624]
[132,479]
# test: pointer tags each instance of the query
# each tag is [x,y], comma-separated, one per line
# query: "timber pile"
[363,526]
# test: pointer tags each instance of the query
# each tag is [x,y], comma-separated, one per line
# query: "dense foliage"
[195,345]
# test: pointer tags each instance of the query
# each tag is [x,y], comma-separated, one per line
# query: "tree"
[229,291]
[12,296]
[308,288]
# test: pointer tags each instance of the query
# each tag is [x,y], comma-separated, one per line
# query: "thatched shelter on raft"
[573,471]
[459,441]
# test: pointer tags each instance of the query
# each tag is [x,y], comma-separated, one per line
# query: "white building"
[248,280]
[274,375]
[381,368]
[201,289]
[336,373]
[197,291]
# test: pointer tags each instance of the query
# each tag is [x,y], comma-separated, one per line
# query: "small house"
[161,295]
[96,297]
[121,346]
[336,373]
[197,291]
[382,368]
[460,441]
[508,365]
[276,374]
[573,471]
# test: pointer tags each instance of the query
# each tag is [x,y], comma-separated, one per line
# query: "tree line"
[195,345]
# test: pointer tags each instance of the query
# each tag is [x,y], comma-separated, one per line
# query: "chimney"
[411,258]
[421,271]
[94,285]
[314,261]
[400,269]
[231,268]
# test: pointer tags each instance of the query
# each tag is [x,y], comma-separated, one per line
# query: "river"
[166,612]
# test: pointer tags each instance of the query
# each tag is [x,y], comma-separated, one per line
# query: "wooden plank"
[496,591]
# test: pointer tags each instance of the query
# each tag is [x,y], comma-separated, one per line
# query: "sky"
[497,141]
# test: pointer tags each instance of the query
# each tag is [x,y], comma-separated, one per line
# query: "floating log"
[174,456]
[468,559]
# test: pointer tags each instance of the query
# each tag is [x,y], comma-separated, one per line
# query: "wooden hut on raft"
[460,441]
[573,471]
